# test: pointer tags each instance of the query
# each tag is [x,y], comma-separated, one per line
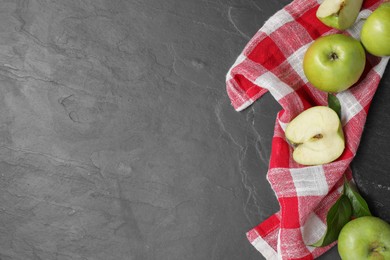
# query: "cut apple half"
[339,14]
[329,7]
[316,135]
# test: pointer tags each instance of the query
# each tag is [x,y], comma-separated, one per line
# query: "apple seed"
[341,7]
[318,136]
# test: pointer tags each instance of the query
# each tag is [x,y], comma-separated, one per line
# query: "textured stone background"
[118,141]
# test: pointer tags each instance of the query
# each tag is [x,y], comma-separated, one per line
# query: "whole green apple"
[339,14]
[335,62]
[375,33]
[365,238]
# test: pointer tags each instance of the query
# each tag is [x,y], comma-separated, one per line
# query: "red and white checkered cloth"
[272,61]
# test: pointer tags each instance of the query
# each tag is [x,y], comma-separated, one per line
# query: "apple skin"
[346,16]
[365,238]
[335,62]
[375,33]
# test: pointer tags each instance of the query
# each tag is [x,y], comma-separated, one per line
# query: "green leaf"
[334,103]
[359,205]
[339,214]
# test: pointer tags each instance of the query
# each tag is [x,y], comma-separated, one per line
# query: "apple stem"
[377,247]
[333,56]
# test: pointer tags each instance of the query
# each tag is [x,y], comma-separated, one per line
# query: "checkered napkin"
[272,61]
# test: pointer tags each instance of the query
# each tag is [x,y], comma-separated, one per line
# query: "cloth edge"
[262,246]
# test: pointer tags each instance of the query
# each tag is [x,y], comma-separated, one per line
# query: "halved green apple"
[316,135]
[339,14]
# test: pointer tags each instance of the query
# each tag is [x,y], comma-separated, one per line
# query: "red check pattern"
[272,61]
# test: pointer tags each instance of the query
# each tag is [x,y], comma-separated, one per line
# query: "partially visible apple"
[365,238]
[339,14]
[335,62]
[316,135]
[375,33]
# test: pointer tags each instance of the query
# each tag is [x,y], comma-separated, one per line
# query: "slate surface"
[117,139]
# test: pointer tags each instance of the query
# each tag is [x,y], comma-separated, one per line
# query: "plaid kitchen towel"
[272,61]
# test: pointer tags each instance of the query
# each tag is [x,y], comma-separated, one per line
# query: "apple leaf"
[339,215]
[359,205]
[334,103]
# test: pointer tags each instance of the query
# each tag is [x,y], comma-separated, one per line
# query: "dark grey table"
[118,141]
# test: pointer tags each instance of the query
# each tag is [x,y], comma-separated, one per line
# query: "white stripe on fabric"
[279,246]
[354,30]
[244,105]
[278,20]
[312,230]
[296,61]
[363,15]
[349,106]
[310,181]
[283,125]
[264,248]
[239,59]
[381,66]
[276,87]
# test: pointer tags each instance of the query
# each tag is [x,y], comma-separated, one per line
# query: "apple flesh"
[335,62]
[375,33]
[316,135]
[365,238]
[339,14]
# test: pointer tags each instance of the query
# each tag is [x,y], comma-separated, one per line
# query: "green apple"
[339,14]
[375,33]
[316,135]
[335,62]
[365,238]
